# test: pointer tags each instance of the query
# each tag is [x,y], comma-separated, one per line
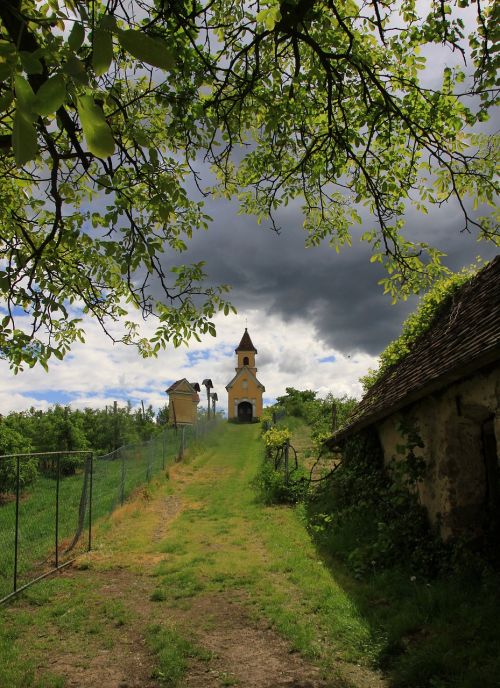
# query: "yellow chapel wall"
[238,391]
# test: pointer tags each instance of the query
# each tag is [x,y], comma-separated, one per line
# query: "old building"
[245,390]
[448,388]
[183,399]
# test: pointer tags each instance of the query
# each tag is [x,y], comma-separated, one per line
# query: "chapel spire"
[246,343]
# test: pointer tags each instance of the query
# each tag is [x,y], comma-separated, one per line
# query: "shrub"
[68,464]
[12,442]
[275,438]
[294,399]
[273,487]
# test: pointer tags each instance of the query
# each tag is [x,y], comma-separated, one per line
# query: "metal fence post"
[91,496]
[287,448]
[58,481]
[16,540]
[122,478]
[150,463]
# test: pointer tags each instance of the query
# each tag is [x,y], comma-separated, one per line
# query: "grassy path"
[193,584]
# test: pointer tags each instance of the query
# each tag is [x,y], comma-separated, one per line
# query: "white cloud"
[98,372]
[10,401]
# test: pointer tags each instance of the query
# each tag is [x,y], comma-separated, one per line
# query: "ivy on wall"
[419,322]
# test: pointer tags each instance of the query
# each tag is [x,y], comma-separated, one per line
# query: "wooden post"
[287,449]
[334,417]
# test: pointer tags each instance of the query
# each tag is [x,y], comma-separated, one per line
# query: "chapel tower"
[245,390]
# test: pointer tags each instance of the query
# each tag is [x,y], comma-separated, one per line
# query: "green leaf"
[30,63]
[51,95]
[76,37]
[6,69]
[153,51]
[108,22]
[75,68]
[25,98]
[6,48]
[102,54]
[96,130]
[24,142]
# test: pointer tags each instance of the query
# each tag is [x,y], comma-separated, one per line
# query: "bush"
[275,438]
[12,442]
[68,464]
[274,489]
[28,473]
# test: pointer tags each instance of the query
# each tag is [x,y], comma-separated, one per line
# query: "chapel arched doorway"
[245,413]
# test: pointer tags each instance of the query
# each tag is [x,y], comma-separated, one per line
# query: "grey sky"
[337,293]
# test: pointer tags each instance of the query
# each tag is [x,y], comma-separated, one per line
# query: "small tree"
[11,442]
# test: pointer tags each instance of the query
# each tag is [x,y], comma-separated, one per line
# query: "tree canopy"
[106,109]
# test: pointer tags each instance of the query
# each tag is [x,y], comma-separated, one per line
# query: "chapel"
[183,400]
[245,390]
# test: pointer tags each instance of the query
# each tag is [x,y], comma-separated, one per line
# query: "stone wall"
[455,489]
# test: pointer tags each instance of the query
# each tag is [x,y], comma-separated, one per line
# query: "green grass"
[444,634]
[264,551]
[173,651]
[55,609]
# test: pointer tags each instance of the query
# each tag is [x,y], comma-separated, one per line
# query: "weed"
[172,548]
[172,650]
[158,595]
[114,610]
[440,633]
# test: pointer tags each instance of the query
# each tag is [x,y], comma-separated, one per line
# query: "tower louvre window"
[245,360]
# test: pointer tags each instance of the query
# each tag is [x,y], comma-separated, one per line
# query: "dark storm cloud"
[336,293]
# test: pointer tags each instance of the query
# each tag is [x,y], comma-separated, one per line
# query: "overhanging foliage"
[105,106]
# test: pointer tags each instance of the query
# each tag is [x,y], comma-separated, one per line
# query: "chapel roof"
[246,343]
[189,388]
[245,371]
[464,338]
[174,385]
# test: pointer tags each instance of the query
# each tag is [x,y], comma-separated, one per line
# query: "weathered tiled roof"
[179,383]
[464,338]
[174,385]
[246,343]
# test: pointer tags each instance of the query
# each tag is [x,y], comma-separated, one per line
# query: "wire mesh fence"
[40,514]
[49,501]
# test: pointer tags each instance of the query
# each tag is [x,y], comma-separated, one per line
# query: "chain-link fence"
[49,502]
[118,474]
